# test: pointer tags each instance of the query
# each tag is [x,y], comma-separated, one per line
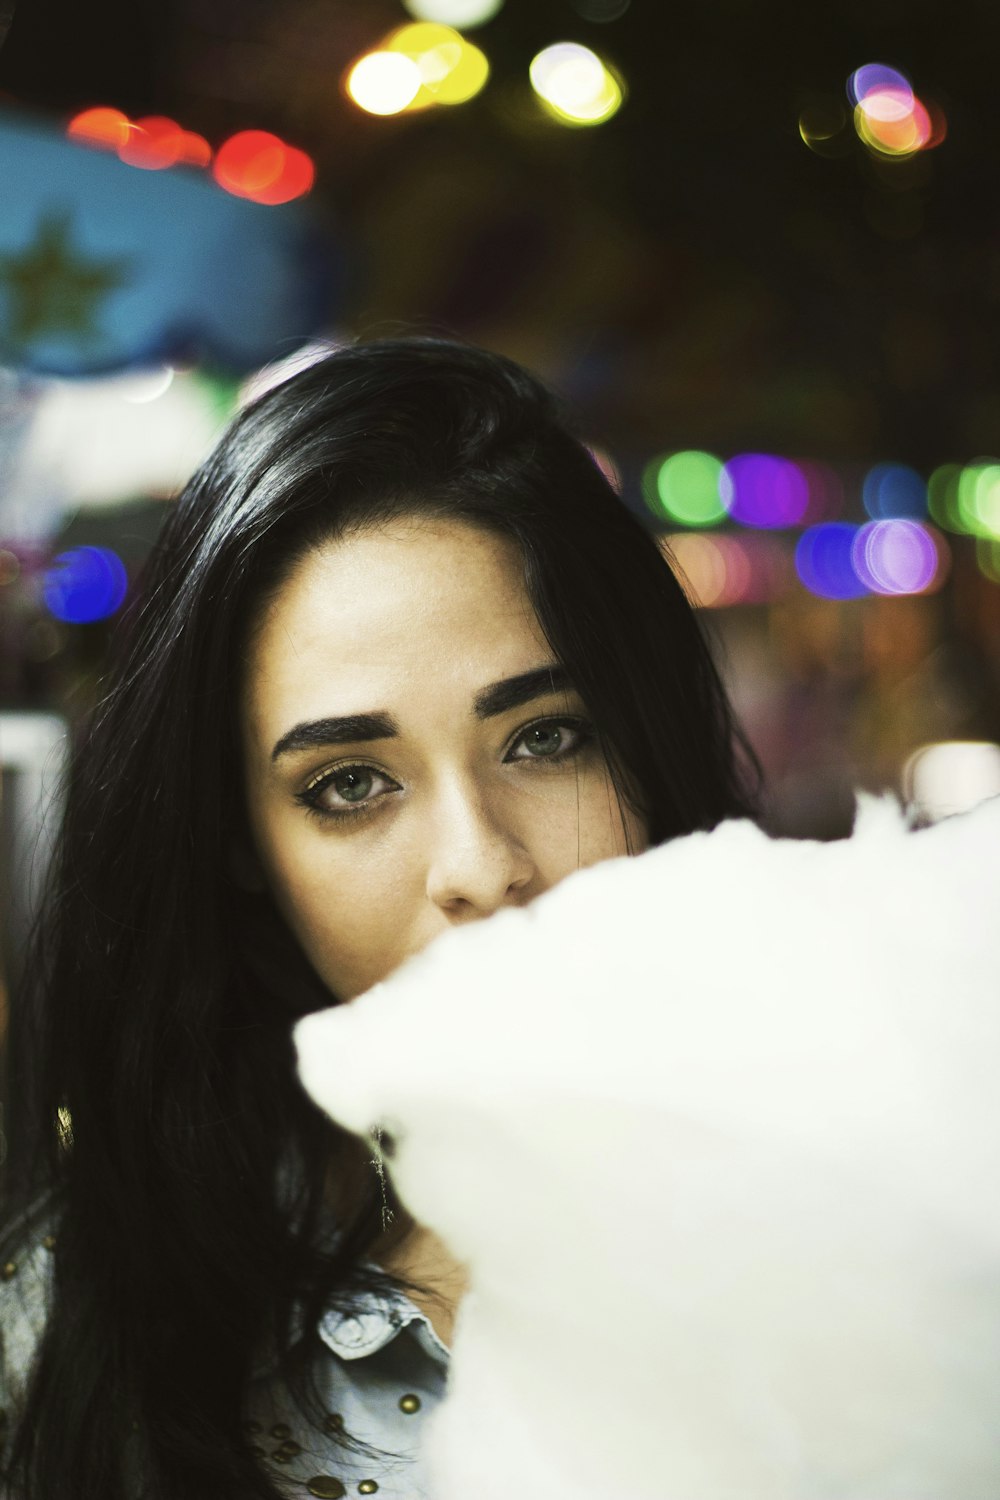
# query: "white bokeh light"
[574,83]
[384,83]
[462,13]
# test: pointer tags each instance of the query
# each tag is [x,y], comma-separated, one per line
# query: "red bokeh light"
[154,142]
[255,164]
[106,128]
[195,150]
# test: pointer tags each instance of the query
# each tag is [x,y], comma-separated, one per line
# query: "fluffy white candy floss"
[716,1130]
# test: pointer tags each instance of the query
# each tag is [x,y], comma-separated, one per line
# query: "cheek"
[603,823]
[347,911]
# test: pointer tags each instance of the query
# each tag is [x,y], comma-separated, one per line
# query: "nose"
[477,861]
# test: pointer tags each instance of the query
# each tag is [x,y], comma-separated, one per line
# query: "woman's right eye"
[352,784]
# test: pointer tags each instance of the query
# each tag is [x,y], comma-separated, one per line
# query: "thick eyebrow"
[497,698]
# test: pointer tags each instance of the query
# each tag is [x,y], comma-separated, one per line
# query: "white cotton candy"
[716,1130]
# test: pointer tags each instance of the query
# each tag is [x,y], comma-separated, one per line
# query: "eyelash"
[310,797]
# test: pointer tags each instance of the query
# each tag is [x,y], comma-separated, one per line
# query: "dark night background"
[696,271]
[690,272]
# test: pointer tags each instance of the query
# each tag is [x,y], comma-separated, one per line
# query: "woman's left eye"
[546,737]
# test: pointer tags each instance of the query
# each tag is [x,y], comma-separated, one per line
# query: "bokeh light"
[978,498]
[721,570]
[574,85]
[106,128]
[759,489]
[701,566]
[873,77]
[89,584]
[942,497]
[892,122]
[465,13]
[821,127]
[154,142]
[384,83]
[195,150]
[896,557]
[684,487]
[255,164]
[451,69]
[893,492]
[824,564]
[888,116]
[988,558]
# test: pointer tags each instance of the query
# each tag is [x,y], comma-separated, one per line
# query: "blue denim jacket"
[381,1373]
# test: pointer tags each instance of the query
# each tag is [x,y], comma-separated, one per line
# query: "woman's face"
[399,779]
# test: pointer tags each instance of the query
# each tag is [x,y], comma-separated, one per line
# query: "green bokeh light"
[942,498]
[979,498]
[988,558]
[684,487]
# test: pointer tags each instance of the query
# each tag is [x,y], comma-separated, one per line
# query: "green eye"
[545,739]
[353,785]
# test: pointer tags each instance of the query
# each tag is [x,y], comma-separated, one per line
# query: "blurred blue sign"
[105,265]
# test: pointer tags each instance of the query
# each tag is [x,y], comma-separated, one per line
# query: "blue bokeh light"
[874,77]
[894,492]
[824,564]
[89,584]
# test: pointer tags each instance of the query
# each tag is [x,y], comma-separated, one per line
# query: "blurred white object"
[95,442]
[951,777]
[716,1131]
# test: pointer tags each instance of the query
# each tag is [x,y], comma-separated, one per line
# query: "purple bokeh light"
[759,489]
[895,557]
[874,77]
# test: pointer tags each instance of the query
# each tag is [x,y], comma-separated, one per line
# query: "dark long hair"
[157,997]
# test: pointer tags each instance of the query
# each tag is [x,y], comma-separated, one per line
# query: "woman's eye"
[550,741]
[352,785]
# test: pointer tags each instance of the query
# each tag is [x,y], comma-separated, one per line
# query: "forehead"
[421,601]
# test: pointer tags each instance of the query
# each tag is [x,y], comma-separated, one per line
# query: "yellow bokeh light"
[384,83]
[574,85]
[892,122]
[451,69]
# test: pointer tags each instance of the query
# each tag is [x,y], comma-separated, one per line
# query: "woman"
[400,657]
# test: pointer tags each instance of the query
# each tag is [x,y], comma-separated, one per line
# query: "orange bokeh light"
[103,127]
[255,164]
[195,150]
[154,142]
[895,122]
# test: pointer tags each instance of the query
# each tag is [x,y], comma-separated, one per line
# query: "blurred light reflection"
[895,557]
[684,487]
[759,489]
[824,564]
[574,84]
[893,491]
[88,583]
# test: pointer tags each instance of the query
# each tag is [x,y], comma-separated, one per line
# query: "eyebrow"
[497,698]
